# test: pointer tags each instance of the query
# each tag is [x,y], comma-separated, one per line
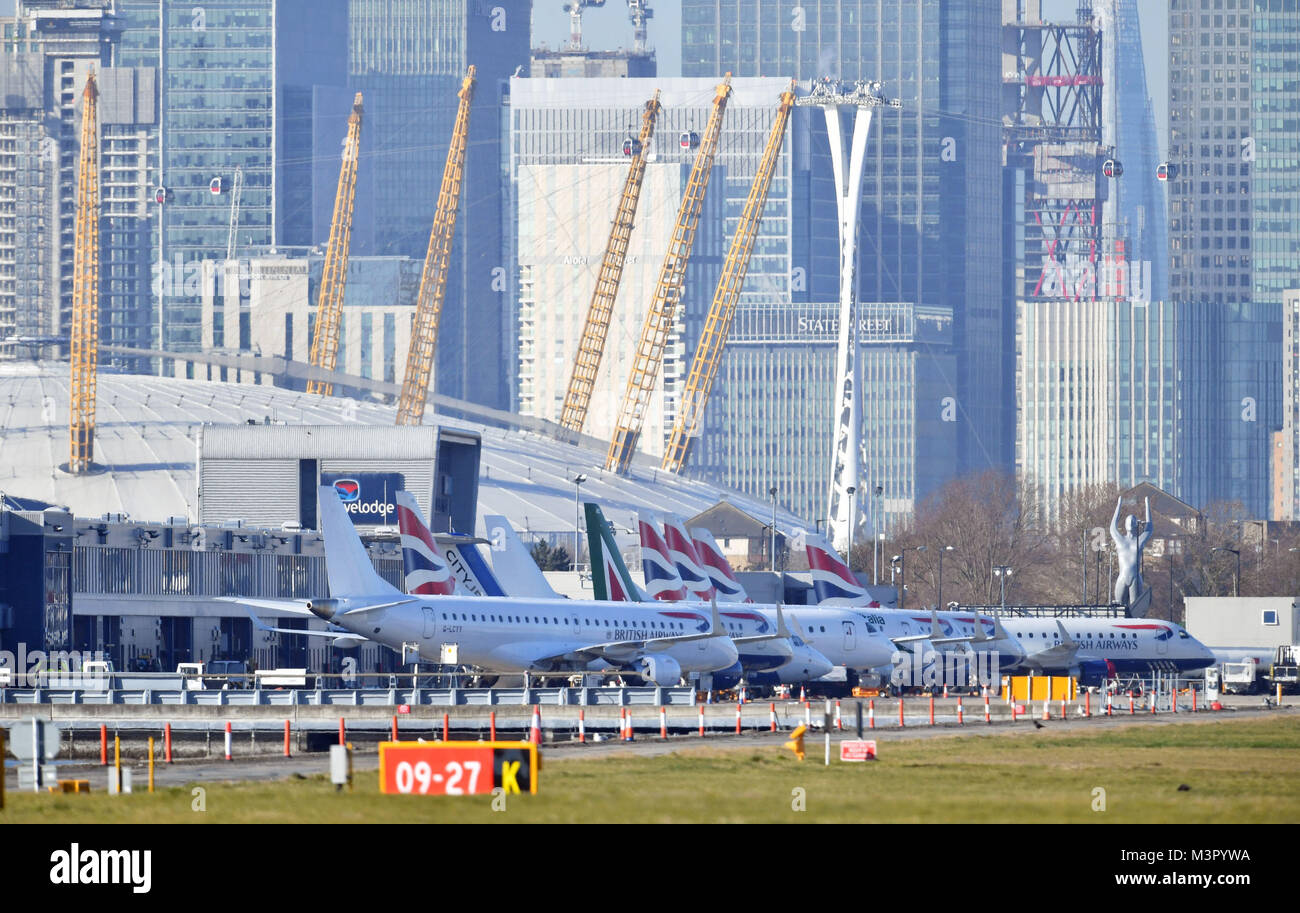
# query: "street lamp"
[1236,581]
[901,560]
[772,491]
[577,522]
[878,537]
[939,594]
[1003,572]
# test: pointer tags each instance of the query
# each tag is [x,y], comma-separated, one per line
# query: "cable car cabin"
[160,195]
[689,140]
[215,187]
[1165,171]
[631,146]
[1112,168]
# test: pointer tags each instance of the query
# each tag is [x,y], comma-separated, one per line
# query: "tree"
[550,559]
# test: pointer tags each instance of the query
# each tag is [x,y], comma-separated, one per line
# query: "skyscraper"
[408,58]
[49,49]
[231,146]
[1234,237]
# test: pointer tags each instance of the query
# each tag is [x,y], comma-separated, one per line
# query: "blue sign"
[370,498]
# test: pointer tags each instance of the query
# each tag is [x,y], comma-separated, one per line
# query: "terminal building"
[202,491]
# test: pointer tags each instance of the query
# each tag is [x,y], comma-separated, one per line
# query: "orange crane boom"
[672,274]
[708,353]
[85,291]
[334,277]
[433,281]
[591,347]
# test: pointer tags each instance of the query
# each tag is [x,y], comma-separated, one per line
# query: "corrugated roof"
[146,443]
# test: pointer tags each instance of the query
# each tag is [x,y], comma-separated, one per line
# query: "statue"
[1129,591]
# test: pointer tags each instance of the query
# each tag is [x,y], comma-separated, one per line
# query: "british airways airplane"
[1091,649]
[848,643]
[508,634]
[716,565]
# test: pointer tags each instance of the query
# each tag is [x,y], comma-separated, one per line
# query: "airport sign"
[457,768]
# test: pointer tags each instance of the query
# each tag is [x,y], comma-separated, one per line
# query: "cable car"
[215,187]
[1112,168]
[689,139]
[1165,171]
[160,195]
[631,146]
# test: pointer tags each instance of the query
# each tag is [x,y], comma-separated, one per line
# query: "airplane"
[440,565]
[858,649]
[1091,649]
[508,634]
[513,565]
[716,565]
[687,559]
[662,581]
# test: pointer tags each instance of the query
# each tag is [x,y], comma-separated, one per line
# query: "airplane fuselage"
[505,634]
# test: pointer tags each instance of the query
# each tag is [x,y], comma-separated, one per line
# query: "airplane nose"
[879,651]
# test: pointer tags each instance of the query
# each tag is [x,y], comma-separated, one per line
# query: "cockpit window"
[1183,635]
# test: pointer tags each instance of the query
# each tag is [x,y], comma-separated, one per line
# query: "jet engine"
[660,669]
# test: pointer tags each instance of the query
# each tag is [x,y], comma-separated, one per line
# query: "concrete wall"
[1226,621]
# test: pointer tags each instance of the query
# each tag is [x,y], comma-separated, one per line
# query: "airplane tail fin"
[833,582]
[717,566]
[514,566]
[687,558]
[662,581]
[610,578]
[427,573]
[472,573]
[347,565]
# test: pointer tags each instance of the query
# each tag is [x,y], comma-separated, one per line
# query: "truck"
[224,674]
[1241,677]
[192,675]
[1285,670]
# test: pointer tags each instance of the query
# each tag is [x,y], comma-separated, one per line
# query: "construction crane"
[433,281]
[591,347]
[334,276]
[672,274]
[236,192]
[708,353]
[85,291]
[638,11]
[574,8]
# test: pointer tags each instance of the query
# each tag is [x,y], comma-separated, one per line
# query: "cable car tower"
[846,445]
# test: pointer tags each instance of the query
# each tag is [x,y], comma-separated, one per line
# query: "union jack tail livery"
[662,581]
[427,574]
[833,582]
[715,564]
[610,579]
[686,558]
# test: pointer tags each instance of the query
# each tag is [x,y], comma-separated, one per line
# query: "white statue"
[1128,549]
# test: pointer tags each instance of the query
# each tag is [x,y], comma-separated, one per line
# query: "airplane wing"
[1061,654]
[934,637]
[337,636]
[288,606]
[622,650]
[782,632]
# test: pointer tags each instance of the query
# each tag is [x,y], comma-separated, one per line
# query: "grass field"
[1240,772]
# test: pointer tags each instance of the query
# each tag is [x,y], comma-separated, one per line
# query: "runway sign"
[457,768]
[857,750]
